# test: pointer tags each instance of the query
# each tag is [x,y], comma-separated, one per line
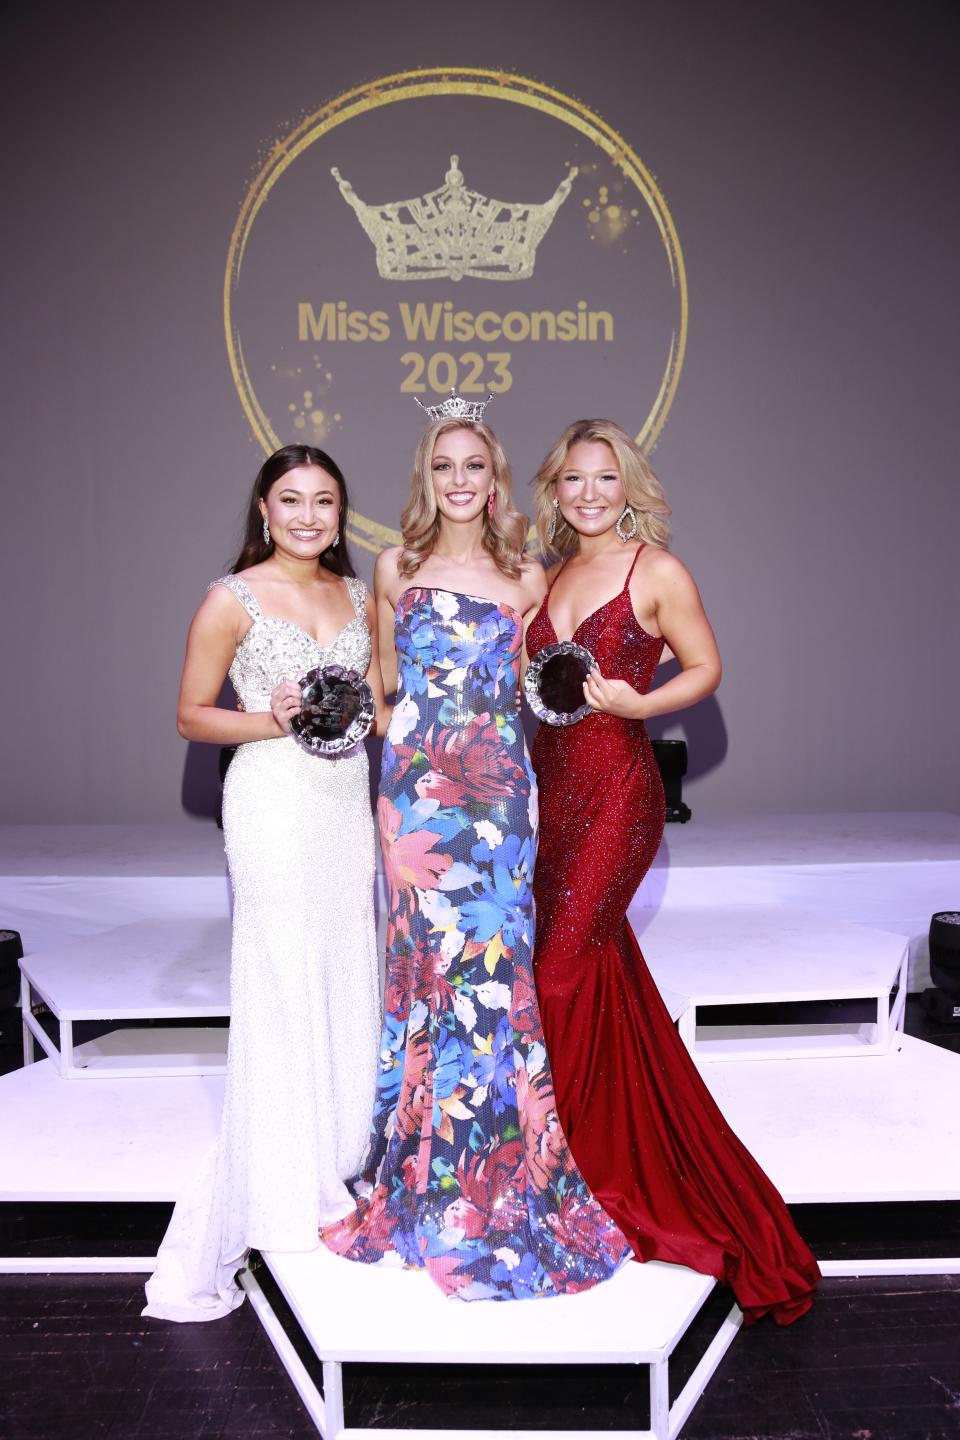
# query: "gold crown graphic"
[455,232]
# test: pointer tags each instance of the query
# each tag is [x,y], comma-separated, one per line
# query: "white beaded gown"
[304,987]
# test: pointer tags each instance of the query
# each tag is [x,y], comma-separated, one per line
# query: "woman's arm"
[374,674]
[215,632]
[535,580]
[686,629]
[386,585]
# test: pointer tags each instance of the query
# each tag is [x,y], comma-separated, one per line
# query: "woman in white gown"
[304,978]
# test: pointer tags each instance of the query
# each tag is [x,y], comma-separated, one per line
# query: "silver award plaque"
[337,709]
[554,680]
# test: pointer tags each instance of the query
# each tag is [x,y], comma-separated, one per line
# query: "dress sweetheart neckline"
[321,645]
[282,619]
[462,595]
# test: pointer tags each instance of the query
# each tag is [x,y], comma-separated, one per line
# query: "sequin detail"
[304,985]
[468,1173]
[275,649]
[645,1131]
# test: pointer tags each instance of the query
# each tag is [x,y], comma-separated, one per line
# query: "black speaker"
[671,758]
[11,950]
[945,952]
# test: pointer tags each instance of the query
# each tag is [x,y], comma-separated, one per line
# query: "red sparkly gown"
[646,1134]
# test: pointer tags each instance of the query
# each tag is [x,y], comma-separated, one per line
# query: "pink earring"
[491,502]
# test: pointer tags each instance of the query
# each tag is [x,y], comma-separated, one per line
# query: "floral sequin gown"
[304,985]
[649,1139]
[468,1174]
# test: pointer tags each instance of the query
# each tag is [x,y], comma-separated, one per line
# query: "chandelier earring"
[627,524]
[266,531]
[552,528]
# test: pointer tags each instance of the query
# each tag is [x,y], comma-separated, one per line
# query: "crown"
[455,232]
[456,408]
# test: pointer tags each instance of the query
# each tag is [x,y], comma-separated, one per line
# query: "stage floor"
[735,912]
[825,1130]
[887,871]
[728,842]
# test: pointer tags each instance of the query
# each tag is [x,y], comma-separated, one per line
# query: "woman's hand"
[285,703]
[612,697]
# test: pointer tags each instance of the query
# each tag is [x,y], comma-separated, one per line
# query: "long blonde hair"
[642,488]
[504,532]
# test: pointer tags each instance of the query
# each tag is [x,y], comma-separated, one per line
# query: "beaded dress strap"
[358,594]
[242,591]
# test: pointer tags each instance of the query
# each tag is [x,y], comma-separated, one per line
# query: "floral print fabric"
[467,1174]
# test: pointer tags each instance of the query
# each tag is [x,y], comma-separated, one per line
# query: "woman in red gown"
[648,1138]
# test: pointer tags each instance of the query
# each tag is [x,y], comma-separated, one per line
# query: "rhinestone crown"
[454,231]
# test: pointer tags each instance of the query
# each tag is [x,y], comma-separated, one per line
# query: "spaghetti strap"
[559,571]
[643,546]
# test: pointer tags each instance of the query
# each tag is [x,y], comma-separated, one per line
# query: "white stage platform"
[131,1140]
[887,871]
[844,1131]
[838,1130]
[349,1312]
[733,912]
[743,955]
[61,884]
[152,969]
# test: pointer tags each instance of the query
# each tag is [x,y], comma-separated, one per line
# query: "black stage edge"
[836,1231]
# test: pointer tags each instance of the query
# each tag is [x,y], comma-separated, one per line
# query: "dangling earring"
[491,502]
[266,531]
[629,516]
[552,528]
[336,541]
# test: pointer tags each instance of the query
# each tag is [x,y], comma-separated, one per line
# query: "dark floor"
[876,1359]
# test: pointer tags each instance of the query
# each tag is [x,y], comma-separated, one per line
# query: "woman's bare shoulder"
[533,578]
[662,563]
[221,611]
[387,579]
[388,559]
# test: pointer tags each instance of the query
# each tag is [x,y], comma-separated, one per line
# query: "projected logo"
[339,305]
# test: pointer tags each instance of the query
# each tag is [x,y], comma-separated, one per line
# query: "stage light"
[943,1002]
[671,758]
[11,952]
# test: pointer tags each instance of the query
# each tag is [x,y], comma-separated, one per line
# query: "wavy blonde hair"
[504,533]
[642,488]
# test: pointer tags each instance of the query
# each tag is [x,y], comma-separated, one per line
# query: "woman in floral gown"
[468,1174]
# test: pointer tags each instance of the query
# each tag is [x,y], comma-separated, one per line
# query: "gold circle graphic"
[416,85]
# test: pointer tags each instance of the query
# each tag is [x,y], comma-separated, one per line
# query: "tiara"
[456,408]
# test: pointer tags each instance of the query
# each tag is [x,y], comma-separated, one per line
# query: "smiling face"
[589,488]
[462,473]
[302,509]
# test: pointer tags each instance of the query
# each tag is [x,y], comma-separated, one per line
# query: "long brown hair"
[504,532]
[642,488]
[255,548]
